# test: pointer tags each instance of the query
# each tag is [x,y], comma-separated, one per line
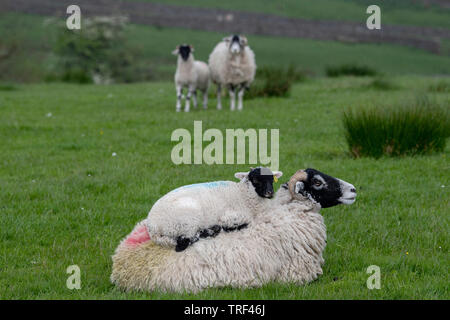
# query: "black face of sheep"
[184,51]
[262,179]
[324,189]
[237,43]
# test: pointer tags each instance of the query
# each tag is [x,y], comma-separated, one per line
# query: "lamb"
[190,74]
[189,213]
[283,244]
[232,64]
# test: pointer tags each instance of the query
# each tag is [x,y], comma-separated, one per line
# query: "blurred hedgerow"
[98,52]
[420,128]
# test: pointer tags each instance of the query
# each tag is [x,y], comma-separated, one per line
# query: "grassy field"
[402,12]
[34,39]
[64,199]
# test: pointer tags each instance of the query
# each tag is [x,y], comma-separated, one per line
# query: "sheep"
[232,64]
[283,244]
[190,74]
[178,218]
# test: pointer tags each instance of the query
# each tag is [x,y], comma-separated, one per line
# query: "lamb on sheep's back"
[285,244]
[187,213]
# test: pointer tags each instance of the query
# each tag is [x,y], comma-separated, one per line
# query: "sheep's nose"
[353,190]
[269,193]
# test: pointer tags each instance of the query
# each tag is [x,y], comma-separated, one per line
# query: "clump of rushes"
[274,81]
[350,70]
[382,83]
[406,130]
[441,86]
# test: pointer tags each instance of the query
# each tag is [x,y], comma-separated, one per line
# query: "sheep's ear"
[277,174]
[299,187]
[192,48]
[241,175]
[176,51]
[226,39]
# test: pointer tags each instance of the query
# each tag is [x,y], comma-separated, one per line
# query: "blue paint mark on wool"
[207,185]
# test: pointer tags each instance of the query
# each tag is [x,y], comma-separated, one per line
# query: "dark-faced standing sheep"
[191,75]
[232,65]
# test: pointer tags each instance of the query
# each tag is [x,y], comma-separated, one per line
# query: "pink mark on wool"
[138,236]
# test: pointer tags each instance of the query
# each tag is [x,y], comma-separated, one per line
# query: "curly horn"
[300,175]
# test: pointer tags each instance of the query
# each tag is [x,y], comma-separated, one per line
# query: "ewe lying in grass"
[284,243]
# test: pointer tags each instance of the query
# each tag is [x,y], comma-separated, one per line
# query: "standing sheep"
[284,244]
[190,74]
[201,210]
[232,64]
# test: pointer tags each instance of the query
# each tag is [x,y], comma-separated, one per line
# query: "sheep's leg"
[182,243]
[232,97]
[179,96]
[194,99]
[219,96]
[205,99]
[188,98]
[241,97]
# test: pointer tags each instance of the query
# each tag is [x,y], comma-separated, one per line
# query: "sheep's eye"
[317,183]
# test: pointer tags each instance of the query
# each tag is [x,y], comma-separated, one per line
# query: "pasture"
[34,39]
[81,164]
[402,12]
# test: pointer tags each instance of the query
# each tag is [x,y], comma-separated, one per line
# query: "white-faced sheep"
[284,244]
[232,64]
[190,74]
[201,210]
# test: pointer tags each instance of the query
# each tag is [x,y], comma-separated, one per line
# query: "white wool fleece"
[283,244]
[192,73]
[226,68]
[189,209]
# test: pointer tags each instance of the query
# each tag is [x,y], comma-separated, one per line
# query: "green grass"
[305,54]
[31,40]
[382,83]
[64,199]
[274,82]
[420,127]
[34,60]
[350,70]
[402,12]
[440,86]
